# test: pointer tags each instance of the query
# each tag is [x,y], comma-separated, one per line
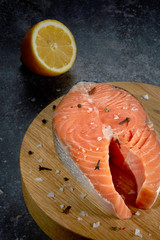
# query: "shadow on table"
[43,90]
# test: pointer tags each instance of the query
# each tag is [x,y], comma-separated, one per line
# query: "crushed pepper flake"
[122,228]
[118,228]
[115,228]
[67,209]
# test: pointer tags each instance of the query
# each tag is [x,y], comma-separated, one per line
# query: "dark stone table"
[116,41]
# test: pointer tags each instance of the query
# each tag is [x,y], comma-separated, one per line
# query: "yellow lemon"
[49,48]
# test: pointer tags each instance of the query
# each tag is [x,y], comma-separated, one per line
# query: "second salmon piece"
[96,122]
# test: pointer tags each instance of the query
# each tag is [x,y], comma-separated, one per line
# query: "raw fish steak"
[96,123]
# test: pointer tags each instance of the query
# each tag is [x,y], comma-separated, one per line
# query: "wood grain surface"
[58,214]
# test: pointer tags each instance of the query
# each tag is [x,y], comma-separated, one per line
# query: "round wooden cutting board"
[60,205]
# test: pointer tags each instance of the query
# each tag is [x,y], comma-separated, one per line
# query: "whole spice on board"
[30,152]
[44,168]
[44,121]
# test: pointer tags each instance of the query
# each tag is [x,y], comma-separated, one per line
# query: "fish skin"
[81,129]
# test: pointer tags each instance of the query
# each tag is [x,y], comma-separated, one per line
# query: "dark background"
[116,41]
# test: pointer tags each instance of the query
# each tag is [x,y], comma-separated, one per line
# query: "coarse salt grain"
[61,189]
[39,145]
[79,218]
[57,171]
[62,206]
[137,233]
[96,224]
[83,213]
[89,110]
[149,234]
[123,197]
[38,179]
[131,192]
[40,160]
[99,138]
[1,192]
[50,195]
[116,116]
[58,90]
[145,96]
[67,185]
[83,195]
[72,189]
[33,99]
[134,109]
[30,171]
[137,213]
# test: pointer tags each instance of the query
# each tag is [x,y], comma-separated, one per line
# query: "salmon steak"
[97,122]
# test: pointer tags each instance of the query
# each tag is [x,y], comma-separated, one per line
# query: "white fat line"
[93,168]
[153,172]
[88,141]
[145,164]
[95,175]
[150,149]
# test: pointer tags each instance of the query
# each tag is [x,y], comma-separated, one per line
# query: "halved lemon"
[49,48]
